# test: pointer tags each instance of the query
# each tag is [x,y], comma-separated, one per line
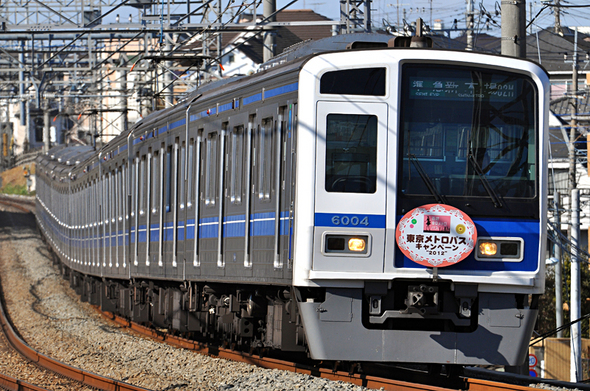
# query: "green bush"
[15,189]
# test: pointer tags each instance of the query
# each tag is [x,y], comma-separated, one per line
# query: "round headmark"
[436,235]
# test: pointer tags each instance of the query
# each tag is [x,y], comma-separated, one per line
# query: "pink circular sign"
[436,235]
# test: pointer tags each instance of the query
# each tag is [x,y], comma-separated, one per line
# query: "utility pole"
[268,50]
[398,24]
[557,255]
[573,123]
[470,24]
[575,288]
[123,100]
[575,307]
[514,28]
[46,124]
[557,25]
[531,18]
[430,25]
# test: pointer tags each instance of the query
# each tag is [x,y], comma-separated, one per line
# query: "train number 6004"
[354,220]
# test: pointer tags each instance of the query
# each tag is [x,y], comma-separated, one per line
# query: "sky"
[449,10]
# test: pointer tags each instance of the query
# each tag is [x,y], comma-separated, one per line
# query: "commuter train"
[353,200]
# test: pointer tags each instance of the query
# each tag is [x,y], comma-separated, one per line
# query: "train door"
[181,212]
[350,193]
[94,211]
[167,207]
[192,205]
[143,231]
[209,225]
[171,183]
[288,116]
[111,201]
[134,215]
[155,212]
[235,188]
[106,228]
[118,192]
[264,216]
[121,228]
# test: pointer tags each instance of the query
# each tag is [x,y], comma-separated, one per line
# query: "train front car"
[424,239]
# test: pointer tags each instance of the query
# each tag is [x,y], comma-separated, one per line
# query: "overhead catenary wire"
[554,331]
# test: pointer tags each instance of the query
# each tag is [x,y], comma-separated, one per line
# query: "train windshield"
[467,132]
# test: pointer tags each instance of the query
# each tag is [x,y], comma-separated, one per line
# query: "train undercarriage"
[244,317]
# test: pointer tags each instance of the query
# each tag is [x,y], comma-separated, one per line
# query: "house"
[242,52]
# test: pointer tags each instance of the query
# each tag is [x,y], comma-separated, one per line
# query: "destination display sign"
[461,89]
[436,235]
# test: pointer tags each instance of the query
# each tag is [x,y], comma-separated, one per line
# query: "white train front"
[376,204]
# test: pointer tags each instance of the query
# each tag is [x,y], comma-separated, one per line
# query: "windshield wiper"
[437,196]
[484,181]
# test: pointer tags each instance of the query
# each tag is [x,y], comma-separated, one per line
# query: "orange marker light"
[356,244]
[488,248]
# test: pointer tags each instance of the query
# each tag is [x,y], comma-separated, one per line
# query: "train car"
[354,201]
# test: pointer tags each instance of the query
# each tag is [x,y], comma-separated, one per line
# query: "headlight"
[356,244]
[499,249]
[488,249]
[336,244]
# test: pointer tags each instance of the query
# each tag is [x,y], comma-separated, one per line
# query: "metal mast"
[355,16]
[90,67]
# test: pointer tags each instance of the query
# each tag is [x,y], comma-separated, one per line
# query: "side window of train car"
[236,158]
[142,189]
[181,175]
[115,199]
[134,184]
[168,179]
[121,186]
[155,192]
[191,170]
[211,168]
[265,162]
[107,200]
[133,163]
[351,153]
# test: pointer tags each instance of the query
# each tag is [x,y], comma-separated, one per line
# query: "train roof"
[329,44]
[66,156]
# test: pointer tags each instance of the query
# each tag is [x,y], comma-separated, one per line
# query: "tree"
[546,318]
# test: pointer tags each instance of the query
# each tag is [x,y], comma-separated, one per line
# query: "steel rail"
[12,384]
[488,385]
[18,206]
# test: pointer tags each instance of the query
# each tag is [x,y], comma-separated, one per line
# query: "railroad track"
[10,383]
[24,204]
[67,376]
[83,377]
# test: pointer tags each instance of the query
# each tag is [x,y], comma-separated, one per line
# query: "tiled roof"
[552,47]
[545,47]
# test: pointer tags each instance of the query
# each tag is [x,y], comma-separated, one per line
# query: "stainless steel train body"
[229,215]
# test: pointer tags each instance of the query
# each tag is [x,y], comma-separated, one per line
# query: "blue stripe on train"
[261,224]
